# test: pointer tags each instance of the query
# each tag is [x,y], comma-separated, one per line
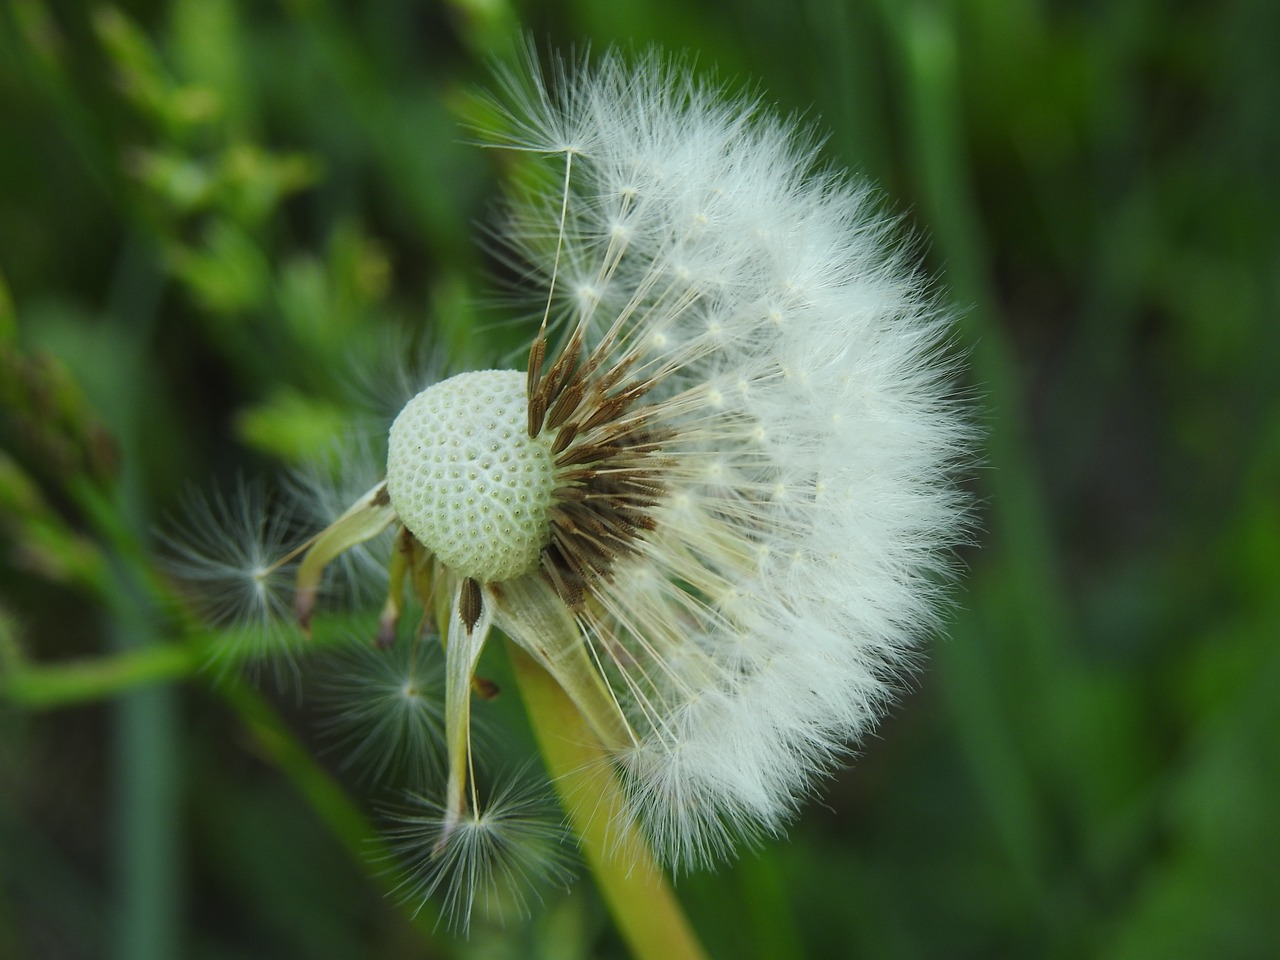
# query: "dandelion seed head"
[798,403]
[719,505]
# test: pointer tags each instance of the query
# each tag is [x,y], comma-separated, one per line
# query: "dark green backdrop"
[207,208]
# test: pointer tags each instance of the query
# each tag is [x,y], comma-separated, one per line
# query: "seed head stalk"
[636,890]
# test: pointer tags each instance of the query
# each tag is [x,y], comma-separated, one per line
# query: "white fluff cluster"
[808,431]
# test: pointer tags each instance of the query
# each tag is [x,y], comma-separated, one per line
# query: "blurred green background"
[207,208]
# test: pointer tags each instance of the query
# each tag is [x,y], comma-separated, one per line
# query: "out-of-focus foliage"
[210,212]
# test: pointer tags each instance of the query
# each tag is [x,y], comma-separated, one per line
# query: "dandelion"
[499,857]
[386,713]
[234,558]
[717,504]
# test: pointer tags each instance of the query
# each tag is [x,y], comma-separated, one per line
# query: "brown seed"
[537,353]
[470,604]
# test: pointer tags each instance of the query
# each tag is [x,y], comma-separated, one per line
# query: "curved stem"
[45,686]
[637,892]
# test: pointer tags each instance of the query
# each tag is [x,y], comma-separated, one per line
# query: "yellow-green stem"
[632,884]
